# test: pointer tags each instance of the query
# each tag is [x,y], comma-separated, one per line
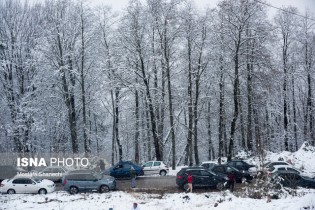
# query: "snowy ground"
[118,200]
[177,201]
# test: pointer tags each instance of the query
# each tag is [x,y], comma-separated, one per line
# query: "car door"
[147,167]
[156,167]
[197,181]
[30,186]
[117,171]
[18,185]
[207,179]
[90,182]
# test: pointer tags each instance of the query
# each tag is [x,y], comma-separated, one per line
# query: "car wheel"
[104,189]
[244,179]
[73,190]
[11,191]
[42,191]
[220,186]
[162,173]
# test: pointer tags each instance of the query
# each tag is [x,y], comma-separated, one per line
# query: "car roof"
[193,167]
[281,166]
[84,171]
[210,161]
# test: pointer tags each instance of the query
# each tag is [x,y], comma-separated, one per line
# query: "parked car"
[276,163]
[292,180]
[155,167]
[27,185]
[88,181]
[53,173]
[201,178]
[241,176]
[9,171]
[208,164]
[122,169]
[78,171]
[286,168]
[240,165]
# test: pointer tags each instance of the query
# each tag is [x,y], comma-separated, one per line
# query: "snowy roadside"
[179,201]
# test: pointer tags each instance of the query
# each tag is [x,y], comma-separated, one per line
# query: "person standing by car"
[231,180]
[189,181]
[102,165]
[133,175]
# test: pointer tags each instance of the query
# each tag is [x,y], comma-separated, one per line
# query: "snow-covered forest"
[160,80]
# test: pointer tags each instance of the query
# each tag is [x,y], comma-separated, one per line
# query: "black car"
[292,180]
[201,178]
[240,165]
[241,176]
[122,169]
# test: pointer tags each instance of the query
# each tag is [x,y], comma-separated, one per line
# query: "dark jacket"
[133,173]
[231,177]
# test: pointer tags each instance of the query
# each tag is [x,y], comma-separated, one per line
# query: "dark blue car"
[122,169]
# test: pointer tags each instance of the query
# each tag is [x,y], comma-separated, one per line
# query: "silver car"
[89,181]
[53,173]
[155,167]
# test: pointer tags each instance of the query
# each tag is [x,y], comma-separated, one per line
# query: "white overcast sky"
[300,4]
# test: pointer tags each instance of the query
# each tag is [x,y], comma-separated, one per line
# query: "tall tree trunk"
[170,104]
[221,111]
[210,149]
[294,116]
[137,156]
[87,148]
[190,108]
[285,94]
[116,113]
[249,104]
[235,96]
[156,139]
[68,95]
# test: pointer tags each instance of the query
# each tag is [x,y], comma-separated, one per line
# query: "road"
[144,183]
[153,184]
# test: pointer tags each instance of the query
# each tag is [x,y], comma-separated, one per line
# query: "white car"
[155,167]
[27,185]
[275,168]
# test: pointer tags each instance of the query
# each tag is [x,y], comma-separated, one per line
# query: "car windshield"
[211,165]
[38,180]
[234,169]
[266,164]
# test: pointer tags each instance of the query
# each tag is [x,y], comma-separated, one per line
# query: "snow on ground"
[178,201]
